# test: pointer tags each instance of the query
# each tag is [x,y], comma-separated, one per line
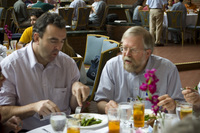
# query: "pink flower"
[155,99]
[143,87]
[155,109]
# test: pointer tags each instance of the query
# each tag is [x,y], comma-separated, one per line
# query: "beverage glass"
[178,108]
[5,43]
[58,121]
[138,113]
[13,44]
[186,109]
[125,112]
[113,120]
[73,125]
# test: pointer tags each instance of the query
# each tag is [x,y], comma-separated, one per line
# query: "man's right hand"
[45,107]
[110,104]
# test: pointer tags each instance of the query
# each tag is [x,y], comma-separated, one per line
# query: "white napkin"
[3,51]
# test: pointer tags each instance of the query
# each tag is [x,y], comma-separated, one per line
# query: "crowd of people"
[39,79]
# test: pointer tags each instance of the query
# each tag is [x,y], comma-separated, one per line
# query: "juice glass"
[73,125]
[114,120]
[6,43]
[186,109]
[138,113]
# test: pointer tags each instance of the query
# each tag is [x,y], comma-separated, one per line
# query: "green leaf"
[139,98]
[196,88]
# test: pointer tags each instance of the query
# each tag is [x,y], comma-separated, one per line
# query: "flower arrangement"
[8,32]
[150,87]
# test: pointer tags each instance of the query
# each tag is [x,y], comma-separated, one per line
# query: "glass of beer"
[186,109]
[114,120]
[73,125]
[138,113]
[58,121]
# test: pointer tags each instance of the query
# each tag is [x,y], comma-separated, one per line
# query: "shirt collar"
[33,60]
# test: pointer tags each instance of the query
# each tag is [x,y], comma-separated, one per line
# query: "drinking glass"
[13,44]
[73,125]
[186,109]
[5,43]
[138,113]
[125,111]
[167,121]
[58,121]
[178,108]
[113,120]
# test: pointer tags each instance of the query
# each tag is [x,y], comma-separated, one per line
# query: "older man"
[123,75]
[41,79]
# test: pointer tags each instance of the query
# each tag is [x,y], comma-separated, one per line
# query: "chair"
[19,29]
[144,16]
[105,56]
[67,14]
[93,47]
[78,61]
[82,19]
[195,28]
[128,16]
[102,23]
[108,44]
[174,19]
[2,10]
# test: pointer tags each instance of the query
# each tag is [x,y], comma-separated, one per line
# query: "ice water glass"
[125,110]
[58,121]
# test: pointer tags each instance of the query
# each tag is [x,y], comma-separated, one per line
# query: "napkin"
[3,51]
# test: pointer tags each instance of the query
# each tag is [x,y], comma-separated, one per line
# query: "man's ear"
[36,37]
[148,51]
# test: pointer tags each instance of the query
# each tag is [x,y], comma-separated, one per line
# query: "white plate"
[148,111]
[104,119]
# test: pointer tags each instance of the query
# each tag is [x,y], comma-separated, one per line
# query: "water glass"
[186,109]
[13,44]
[58,121]
[125,110]
[113,120]
[178,108]
[73,125]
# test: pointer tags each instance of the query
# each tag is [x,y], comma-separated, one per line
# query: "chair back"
[78,61]
[18,28]
[128,16]
[8,17]
[93,47]
[83,18]
[105,56]
[174,19]
[144,16]
[103,21]
[108,44]
[198,20]
[67,14]
[2,10]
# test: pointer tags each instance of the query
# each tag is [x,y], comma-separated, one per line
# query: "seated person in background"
[52,2]
[123,74]
[169,5]
[136,16]
[44,6]
[27,2]
[76,4]
[97,12]
[40,78]
[21,13]
[190,6]
[27,34]
[12,124]
[179,6]
[137,3]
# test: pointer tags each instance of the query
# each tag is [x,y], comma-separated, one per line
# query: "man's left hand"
[80,91]
[166,102]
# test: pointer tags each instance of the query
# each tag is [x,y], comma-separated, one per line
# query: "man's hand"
[166,102]
[110,104]
[13,124]
[80,91]
[191,96]
[45,107]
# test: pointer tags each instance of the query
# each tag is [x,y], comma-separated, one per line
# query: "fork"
[78,110]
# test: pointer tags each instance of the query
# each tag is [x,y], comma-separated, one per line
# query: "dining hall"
[99,66]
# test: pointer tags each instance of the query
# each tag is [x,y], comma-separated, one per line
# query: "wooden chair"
[78,61]
[109,44]
[105,56]
[93,47]
[82,19]
[128,16]
[175,24]
[195,28]
[102,23]
[2,10]
[144,16]
[19,29]
[67,14]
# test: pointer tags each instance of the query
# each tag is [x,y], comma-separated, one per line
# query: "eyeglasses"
[131,50]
